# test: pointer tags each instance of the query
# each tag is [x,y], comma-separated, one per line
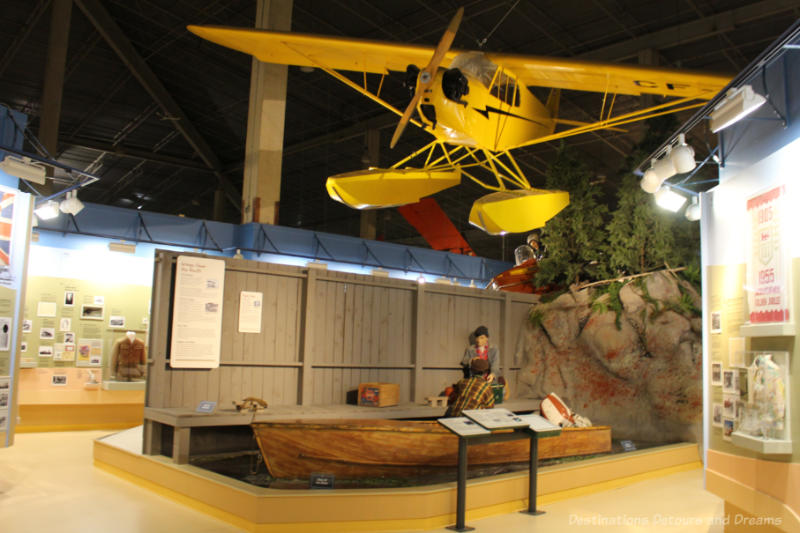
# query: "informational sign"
[197,312]
[496,418]
[542,426]
[767,257]
[463,426]
[250,311]
[206,406]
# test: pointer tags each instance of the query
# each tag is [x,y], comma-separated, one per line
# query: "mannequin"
[128,357]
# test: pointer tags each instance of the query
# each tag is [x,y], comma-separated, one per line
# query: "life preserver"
[553,409]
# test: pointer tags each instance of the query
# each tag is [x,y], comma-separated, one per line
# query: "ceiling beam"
[135,153]
[116,39]
[690,31]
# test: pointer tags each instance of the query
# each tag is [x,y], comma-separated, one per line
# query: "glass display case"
[762,420]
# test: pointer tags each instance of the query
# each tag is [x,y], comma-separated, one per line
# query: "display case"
[762,412]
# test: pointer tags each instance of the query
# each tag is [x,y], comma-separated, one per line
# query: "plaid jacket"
[471,393]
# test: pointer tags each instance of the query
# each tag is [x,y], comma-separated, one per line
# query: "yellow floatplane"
[478,107]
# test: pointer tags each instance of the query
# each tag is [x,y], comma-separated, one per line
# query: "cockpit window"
[506,90]
[476,65]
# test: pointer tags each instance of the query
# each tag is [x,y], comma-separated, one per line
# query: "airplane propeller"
[427,74]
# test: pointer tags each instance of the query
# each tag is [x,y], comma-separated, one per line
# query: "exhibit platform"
[266,510]
[45,406]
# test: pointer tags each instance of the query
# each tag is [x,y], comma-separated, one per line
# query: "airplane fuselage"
[494,116]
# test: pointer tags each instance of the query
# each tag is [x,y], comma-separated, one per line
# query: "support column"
[219,205]
[53,85]
[369,217]
[261,191]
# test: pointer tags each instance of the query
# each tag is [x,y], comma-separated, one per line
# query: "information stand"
[477,428]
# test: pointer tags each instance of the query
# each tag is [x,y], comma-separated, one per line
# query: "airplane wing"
[363,55]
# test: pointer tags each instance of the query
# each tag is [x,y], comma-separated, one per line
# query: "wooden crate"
[378,394]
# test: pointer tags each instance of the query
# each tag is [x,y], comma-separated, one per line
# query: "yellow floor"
[48,483]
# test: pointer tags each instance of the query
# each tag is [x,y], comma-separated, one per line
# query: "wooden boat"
[351,449]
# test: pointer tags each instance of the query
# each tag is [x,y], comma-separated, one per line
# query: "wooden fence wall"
[324,332]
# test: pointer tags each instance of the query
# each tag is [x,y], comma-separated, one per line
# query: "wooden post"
[307,346]
[419,320]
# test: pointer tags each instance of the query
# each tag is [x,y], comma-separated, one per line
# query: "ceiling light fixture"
[693,210]
[737,104]
[124,247]
[24,168]
[677,158]
[70,204]
[47,210]
[669,199]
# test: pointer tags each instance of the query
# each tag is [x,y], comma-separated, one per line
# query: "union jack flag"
[6,225]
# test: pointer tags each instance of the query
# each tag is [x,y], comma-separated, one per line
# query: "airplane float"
[478,107]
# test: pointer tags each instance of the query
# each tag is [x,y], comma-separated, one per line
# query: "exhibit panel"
[15,225]
[751,262]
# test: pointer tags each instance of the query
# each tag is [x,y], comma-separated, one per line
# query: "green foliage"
[536,316]
[575,238]
[643,237]
[692,273]
[589,242]
[612,303]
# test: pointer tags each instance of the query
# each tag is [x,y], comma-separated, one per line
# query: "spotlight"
[664,167]
[737,104]
[70,204]
[669,199]
[47,210]
[650,182]
[693,210]
[24,168]
[683,156]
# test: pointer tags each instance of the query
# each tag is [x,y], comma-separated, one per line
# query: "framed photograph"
[69,337]
[5,333]
[47,333]
[91,312]
[3,399]
[46,351]
[27,325]
[716,416]
[65,324]
[716,321]
[727,428]
[69,298]
[729,402]
[116,321]
[730,381]
[59,380]
[716,374]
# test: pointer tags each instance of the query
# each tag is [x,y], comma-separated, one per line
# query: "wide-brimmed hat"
[478,365]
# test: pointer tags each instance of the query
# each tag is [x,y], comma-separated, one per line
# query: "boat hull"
[352,449]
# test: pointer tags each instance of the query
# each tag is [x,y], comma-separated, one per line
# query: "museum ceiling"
[111,125]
